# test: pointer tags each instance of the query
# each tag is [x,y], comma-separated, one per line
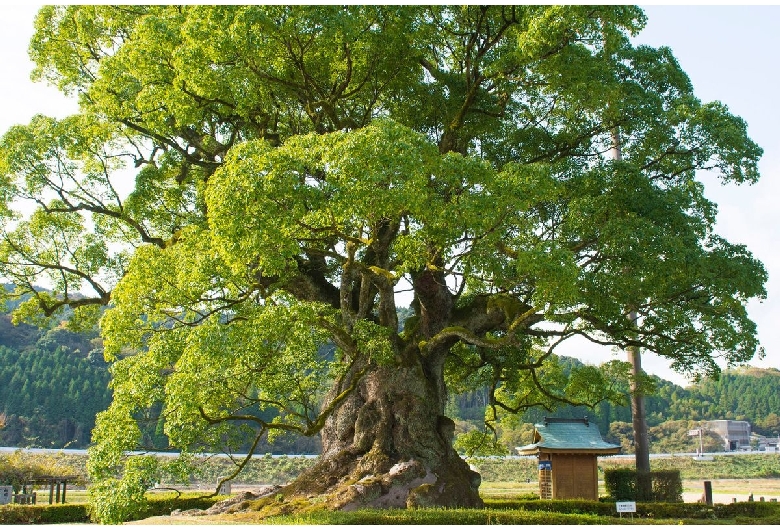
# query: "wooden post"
[51,492]
[708,492]
[64,487]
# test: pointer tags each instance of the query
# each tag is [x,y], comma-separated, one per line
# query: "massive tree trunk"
[389,445]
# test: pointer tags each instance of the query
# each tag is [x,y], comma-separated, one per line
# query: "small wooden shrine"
[567,450]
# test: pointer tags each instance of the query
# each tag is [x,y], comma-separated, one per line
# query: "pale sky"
[730,54]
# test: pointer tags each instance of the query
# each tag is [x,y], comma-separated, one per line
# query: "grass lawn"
[500,498]
[504,505]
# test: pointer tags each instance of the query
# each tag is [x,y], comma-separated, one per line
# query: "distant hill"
[52,384]
[18,337]
[749,393]
[49,397]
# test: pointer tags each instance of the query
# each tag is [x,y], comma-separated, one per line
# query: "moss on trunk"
[389,445]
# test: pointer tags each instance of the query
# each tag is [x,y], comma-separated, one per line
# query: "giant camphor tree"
[246,185]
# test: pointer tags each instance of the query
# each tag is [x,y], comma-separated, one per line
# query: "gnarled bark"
[389,445]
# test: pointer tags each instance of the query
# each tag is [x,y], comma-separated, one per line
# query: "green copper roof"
[568,435]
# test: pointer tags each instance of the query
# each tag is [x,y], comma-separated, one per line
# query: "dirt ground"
[726,491]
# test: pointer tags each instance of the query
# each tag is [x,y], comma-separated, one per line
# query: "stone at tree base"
[392,490]
[231,505]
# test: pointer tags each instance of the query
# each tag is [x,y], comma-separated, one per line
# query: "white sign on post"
[5,494]
[626,506]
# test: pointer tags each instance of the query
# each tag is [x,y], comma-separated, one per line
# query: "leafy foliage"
[479,443]
[157,504]
[114,501]
[292,167]
[18,469]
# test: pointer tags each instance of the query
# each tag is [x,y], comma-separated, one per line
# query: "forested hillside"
[50,398]
[53,382]
[748,394]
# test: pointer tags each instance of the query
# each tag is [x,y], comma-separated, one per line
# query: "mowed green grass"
[767,488]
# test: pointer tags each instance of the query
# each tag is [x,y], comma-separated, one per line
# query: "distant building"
[766,443]
[567,450]
[735,434]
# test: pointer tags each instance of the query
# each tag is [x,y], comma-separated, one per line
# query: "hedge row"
[768,512]
[43,514]
[656,486]
[158,504]
[437,516]
[498,511]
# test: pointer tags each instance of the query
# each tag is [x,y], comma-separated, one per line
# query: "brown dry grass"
[724,490]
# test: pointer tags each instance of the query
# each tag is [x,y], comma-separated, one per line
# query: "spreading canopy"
[246,185]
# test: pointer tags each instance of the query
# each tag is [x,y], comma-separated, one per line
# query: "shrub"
[667,486]
[46,514]
[623,484]
[157,504]
[153,504]
[620,484]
